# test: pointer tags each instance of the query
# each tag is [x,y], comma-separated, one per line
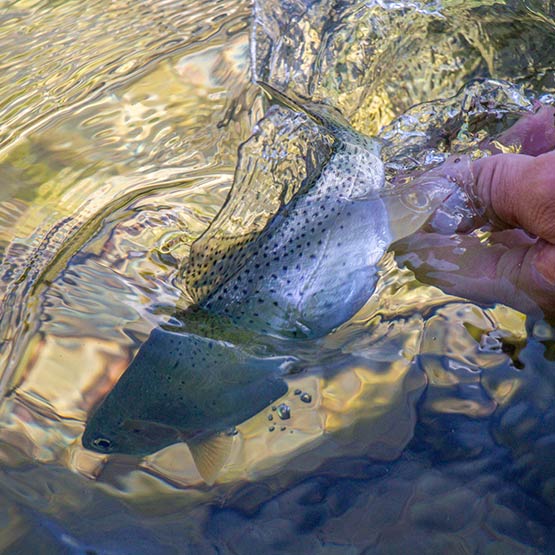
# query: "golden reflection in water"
[361,409]
[365,408]
[171,116]
[155,130]
[67,57]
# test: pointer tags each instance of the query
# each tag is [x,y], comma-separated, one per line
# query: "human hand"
[514,262]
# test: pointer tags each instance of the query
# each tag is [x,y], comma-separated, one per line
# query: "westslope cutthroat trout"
[311,268]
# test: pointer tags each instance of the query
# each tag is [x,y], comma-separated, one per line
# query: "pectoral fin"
[210,455]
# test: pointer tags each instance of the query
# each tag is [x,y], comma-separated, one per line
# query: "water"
[426,423]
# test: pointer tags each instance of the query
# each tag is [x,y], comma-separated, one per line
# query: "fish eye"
[102,443]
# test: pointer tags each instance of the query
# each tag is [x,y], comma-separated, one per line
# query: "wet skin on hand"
[515,194]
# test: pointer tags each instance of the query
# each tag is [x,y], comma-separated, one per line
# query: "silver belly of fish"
[315,265]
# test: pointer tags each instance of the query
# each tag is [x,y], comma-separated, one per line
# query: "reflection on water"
[425,424]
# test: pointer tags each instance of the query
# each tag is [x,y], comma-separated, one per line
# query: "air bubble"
[284,412]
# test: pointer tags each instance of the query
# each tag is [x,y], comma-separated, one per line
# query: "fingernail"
[544,261]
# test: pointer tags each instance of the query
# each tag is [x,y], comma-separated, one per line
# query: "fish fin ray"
[210,455]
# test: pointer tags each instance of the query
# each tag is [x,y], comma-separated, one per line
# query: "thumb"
[517,190]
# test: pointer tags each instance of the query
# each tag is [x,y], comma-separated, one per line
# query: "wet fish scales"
[182,387]
[315,264]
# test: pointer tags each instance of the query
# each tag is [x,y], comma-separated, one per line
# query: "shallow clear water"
[430,423]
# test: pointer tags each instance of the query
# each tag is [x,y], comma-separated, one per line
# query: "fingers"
[544,261]
[510,190]
[518,190]
[512,269]
[514,192]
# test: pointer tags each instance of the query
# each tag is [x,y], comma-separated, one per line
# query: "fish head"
[125,422]
[107,433]
[180,387]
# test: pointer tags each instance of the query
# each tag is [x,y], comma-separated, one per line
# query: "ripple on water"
[101,151]
[422,424]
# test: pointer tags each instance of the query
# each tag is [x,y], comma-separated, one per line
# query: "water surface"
[430,422]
